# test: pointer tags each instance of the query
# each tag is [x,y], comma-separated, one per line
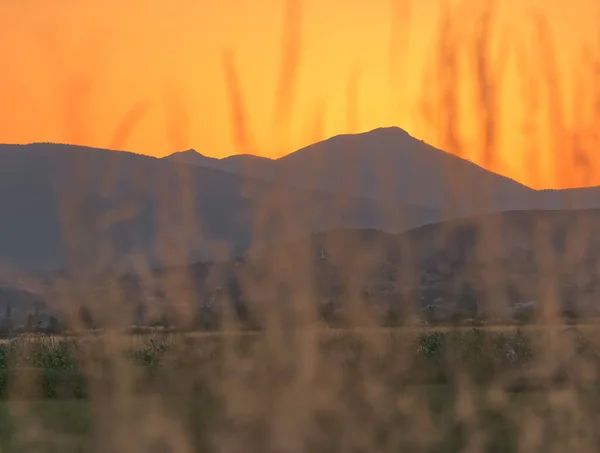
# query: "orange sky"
[150,76]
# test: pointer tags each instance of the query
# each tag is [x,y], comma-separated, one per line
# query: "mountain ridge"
[388,130]
[114,207]
[56,198]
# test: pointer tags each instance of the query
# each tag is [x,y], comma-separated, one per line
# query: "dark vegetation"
[429,356]
[431,368]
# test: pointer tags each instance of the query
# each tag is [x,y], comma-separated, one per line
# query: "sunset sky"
[150,76]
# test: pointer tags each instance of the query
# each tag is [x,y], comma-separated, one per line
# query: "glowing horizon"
[157,77]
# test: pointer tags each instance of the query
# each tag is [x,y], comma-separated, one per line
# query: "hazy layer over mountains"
[67,206]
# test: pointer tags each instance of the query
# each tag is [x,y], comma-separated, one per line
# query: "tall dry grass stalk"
[296,385]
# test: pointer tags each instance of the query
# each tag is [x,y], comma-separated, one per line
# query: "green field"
[68,425]
[386,390]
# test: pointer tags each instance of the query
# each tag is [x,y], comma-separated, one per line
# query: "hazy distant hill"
[389,165]
[385,164]
[73,205]
[515,256]
[541,239]
[472,266]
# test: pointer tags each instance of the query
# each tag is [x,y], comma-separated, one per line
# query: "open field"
[400,390]
[590,326]
[67,426]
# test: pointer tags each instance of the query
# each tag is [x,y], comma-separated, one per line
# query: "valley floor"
[71,425]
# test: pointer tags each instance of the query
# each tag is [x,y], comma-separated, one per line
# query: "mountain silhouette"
[385,164]
[446,264]
[76,207]
[81,208]
[240,163]
[498,259]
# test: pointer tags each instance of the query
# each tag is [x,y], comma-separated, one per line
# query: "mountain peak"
[189,152]
[190,156]
[388,130]
[385,131]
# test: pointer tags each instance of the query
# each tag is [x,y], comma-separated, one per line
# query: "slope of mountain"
[247,164]
[475,266]
[578,198]
[388,165]
[486,265]
[65,205]
[512,256]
